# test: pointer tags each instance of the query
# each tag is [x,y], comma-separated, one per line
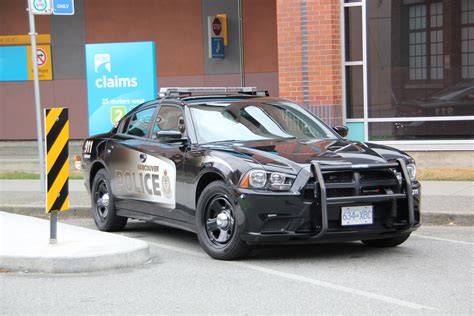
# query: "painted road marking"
[295,277]
[445,239]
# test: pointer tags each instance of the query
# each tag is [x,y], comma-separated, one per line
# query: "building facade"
[400,72]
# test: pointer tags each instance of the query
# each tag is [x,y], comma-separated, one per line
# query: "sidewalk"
[24,246]
[443,202]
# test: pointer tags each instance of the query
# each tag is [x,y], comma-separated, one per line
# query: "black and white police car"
[240,168]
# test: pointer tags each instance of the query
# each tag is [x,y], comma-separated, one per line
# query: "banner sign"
[120,76]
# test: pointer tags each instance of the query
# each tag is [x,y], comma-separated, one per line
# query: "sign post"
[34,6]
[44,7]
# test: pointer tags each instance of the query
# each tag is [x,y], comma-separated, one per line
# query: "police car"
[240,168]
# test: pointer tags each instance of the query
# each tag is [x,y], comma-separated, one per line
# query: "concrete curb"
[37,211]
[447,219]
[25,247]
[427,218]
[72,264]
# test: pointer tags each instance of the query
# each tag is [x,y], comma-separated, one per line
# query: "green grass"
[20,175]
[445,174]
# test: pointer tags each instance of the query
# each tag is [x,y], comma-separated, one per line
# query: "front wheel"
[103,206]
[386,242]
[217,230]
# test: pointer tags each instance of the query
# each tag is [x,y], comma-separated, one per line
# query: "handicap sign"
[63,7]
[218,47]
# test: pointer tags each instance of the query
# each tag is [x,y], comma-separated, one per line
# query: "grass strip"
[20,175]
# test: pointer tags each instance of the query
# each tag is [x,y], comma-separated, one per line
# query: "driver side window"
[169,118]
[139,123]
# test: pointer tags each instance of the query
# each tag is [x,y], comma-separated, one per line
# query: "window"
[169,118]
[436,40]
[467,39]
[417,41]
[139,123]
[418,26]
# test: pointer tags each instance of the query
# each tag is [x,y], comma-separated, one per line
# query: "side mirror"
[169,136]
[341,130]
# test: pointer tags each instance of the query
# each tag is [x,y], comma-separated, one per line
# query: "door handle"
[142,157]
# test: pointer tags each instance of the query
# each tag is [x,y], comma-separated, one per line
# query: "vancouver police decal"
[151,179]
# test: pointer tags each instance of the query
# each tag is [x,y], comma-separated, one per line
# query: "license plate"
[357,215]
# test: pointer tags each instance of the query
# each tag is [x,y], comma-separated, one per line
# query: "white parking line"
[295,277]
[444,239]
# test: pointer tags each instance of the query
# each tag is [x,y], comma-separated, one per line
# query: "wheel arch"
[205,179]
[96,166]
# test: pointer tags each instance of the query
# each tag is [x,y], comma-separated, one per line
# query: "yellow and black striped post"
[57,164]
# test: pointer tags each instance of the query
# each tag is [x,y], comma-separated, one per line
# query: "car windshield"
[250,120]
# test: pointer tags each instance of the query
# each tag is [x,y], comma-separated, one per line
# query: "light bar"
[168,91]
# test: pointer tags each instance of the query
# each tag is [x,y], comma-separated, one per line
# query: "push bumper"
[287,218]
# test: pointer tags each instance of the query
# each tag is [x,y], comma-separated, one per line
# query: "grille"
[340,192]
[376,175]
[338,177]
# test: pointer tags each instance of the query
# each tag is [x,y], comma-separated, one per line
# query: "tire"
[103,210]
[386,242]
[217,230]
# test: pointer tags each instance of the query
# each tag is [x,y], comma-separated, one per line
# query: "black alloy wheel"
[217,228]
[103,206]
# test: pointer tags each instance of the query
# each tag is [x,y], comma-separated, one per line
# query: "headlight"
[261,179]
[411,168]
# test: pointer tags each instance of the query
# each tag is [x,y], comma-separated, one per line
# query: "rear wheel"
[386,242]
[217,230]
[103,207]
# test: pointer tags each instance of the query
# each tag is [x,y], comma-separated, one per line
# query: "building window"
[436,40]
[417,41]
[418,26]
[467,39]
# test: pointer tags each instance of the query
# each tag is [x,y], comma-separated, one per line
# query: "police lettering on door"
[153,181]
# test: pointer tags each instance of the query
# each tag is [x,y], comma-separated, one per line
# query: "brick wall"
[309,55]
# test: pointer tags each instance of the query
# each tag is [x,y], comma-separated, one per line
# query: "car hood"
[299,153]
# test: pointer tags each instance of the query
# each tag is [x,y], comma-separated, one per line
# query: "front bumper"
[297,217]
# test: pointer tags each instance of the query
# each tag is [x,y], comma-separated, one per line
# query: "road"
[431,273]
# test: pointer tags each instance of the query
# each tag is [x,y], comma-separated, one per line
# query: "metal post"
[241,44]
[39,126]
[53,231]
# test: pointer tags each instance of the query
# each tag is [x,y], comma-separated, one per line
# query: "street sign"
[56,123]
[43,60]
[63,7]
[218,47]
[41,56]
[216,31]
[40,7]
[216,26]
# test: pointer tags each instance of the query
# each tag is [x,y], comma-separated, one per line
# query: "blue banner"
[13,63]
[120,76]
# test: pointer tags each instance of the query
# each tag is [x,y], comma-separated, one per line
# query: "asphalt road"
[431,273]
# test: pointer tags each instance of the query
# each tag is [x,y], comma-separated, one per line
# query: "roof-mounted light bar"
[178,91]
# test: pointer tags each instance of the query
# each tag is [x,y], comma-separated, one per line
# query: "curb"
[78,250]
[37,211]
[450,219]
[76,264]
[427,218]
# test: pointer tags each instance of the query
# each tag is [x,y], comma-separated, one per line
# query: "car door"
[165,149]
[130,184]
